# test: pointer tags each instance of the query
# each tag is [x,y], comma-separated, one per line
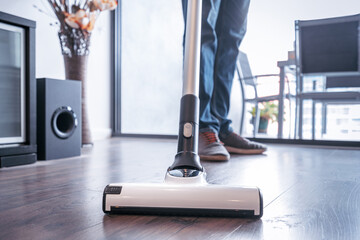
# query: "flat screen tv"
[329,46]
[12,84]
[17,91]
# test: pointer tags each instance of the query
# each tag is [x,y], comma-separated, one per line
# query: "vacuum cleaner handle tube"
[192,48]
[187,156]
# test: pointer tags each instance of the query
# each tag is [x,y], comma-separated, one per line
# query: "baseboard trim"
[101,133]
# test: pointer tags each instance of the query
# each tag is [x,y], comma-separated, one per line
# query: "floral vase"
[75,50]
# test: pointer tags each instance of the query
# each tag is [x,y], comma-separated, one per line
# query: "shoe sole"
[214,158]
[244,151]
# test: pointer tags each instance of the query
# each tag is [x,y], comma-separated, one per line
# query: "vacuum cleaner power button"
[188,129]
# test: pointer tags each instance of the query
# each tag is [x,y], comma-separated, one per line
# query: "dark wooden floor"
[309,193]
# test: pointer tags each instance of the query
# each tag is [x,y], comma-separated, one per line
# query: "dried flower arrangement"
[77,19]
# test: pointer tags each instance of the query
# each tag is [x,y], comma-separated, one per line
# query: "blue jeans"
[223,28]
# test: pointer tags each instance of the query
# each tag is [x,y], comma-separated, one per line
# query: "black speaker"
[58,118]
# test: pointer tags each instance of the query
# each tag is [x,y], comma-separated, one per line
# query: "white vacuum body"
[185,190]
[187,196]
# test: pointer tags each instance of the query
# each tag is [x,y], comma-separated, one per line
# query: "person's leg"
[230,29]
[210,9]
[210,147]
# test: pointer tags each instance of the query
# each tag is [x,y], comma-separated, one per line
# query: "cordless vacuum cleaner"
[185,190]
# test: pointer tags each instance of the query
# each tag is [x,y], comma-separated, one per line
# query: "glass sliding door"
[151,67]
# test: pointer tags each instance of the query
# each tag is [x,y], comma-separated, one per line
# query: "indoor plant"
[268,111]
[76,22]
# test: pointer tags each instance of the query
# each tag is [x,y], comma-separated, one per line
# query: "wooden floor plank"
[309,193]
[315,209]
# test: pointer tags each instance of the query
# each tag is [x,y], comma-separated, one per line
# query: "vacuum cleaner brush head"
[183,199]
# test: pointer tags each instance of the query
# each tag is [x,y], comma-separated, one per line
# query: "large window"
[148,81]
[151,67]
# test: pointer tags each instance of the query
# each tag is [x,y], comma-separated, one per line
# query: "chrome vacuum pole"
[187,156]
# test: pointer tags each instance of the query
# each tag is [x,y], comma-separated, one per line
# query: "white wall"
[49,61]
